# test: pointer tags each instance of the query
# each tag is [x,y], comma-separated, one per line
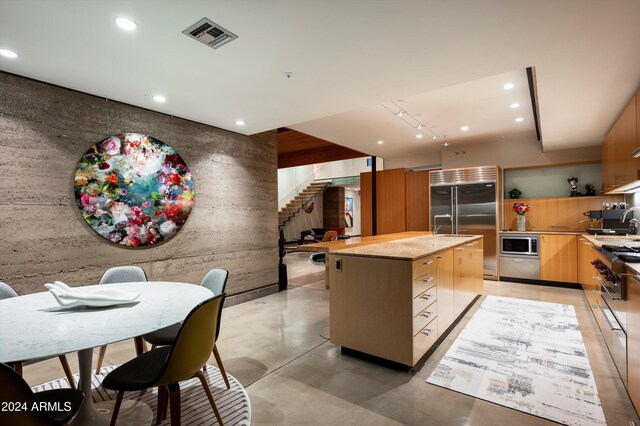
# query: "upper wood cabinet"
[619,168]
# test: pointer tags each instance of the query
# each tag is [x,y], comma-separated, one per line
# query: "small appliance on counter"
[608,222]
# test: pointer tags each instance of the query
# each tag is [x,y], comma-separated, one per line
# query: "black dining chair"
[7,292]
[15,390]
[167,366]
[216,281]
[118,275]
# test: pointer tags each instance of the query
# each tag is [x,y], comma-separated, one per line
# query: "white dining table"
[35,326]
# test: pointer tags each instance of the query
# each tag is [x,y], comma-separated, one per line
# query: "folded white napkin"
[89,296]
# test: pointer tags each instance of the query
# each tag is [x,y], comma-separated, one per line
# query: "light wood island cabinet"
[395,299]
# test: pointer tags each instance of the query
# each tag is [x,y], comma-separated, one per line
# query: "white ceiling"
[346,56]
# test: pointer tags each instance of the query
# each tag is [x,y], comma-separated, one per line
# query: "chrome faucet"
[435,217]
[627,211]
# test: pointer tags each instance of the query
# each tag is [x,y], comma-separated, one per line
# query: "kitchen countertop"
[328,246]
[408,248]
[545,232]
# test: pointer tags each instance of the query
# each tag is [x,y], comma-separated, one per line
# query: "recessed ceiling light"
[159,98]
[419,136]
[464,128]
[380,142]
[445,144]
[515,105]
[509,86]
[419,126]
[400,113]
[239,123]
[8,53]
[519,120]
[126,23]
[434,137]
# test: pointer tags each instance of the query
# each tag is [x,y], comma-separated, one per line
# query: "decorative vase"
[522,223]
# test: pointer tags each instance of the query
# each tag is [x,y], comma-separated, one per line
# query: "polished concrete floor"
[294,376]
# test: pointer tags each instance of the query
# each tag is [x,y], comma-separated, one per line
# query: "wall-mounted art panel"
[134,190]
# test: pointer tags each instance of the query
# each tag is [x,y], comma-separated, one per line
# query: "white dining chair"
[119,275]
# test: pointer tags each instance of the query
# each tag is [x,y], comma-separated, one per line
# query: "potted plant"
[521,210]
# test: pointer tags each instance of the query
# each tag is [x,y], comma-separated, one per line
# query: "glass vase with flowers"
[521,210]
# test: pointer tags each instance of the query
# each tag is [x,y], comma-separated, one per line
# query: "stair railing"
[301,186]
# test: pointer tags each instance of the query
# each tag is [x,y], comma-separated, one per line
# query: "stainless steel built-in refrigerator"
[470,197]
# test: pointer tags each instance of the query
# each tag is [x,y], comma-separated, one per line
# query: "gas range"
[621,254]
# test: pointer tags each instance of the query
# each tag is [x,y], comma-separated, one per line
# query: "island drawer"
[424,299]
[424,318]
[426,265]
[423,283]
[424,340]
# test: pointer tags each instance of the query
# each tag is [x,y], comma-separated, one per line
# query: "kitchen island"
[394,299]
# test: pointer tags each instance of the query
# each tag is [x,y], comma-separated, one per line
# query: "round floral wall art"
[134,190]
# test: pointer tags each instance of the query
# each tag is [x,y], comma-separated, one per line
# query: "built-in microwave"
[519,244]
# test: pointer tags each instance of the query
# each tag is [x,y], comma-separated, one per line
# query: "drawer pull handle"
[428,279]
[425,296]
[427,314]
[595,278]
[460,248]
[596,292]
[588,244]
[559,226]
[427,332]
[427,262]
[438,257]
[472,244]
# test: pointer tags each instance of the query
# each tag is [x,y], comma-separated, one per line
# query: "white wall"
[356,212]
[291,178]
[505,153]
[552,181]
[517,153]
[428,157]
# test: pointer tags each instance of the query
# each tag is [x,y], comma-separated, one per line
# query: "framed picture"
[348,212]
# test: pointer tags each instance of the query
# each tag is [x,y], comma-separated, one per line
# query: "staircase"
[294,206]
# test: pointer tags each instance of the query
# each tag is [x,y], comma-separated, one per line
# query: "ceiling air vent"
[209,33]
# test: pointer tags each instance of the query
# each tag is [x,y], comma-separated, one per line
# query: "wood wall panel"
[557,214]
[365,204]
[391,201]
[625,171]
[417,200]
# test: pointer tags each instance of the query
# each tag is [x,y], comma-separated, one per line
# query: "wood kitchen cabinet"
[467,282]
[633,340]
[558,258]
[444,277]
[397,308]
[586,271]
[619,168]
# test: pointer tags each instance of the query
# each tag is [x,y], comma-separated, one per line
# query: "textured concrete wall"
[44,130]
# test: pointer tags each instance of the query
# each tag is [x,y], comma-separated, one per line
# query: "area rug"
[524,355]
[233,404]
